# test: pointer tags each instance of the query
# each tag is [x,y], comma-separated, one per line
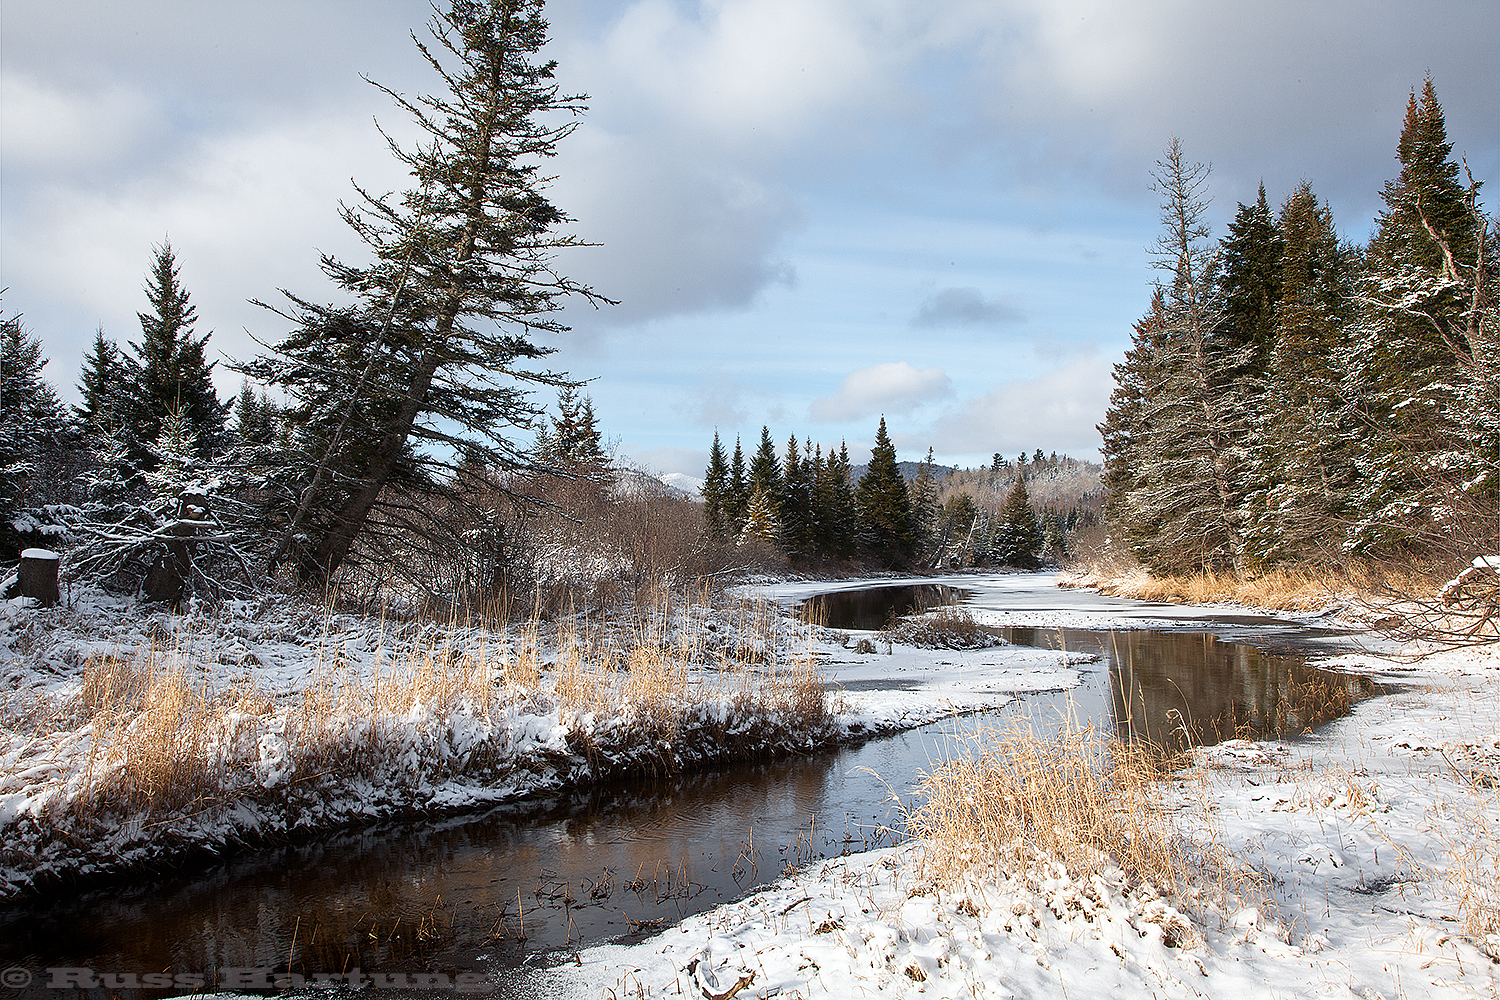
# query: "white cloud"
[893,387]
[1056,411]
[49,129]
[274,191]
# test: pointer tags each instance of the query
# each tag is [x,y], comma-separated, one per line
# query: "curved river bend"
[499,893]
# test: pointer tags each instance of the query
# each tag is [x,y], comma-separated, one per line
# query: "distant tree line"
[1290,396]
[807,505]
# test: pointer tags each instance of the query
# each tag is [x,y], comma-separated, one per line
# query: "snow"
[266,664]
[691,485]
[1361,845]
[1362,849]
[43,554]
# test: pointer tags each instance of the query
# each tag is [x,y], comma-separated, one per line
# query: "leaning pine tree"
[427,368]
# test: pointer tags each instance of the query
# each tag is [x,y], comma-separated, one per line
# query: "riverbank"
[1361,595]
[132,738]
[1359,860]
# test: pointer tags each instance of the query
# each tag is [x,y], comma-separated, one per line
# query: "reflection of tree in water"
[1184,690]
[594,865]
[876,607]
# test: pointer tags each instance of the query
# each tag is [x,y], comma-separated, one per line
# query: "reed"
[1022,804]
[1312,587]
[150,736]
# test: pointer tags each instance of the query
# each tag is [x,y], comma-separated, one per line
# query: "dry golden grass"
[1022,803]
[1299,589]
[144,737]
[1470,834]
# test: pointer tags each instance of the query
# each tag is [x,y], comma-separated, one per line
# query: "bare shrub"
[945,628]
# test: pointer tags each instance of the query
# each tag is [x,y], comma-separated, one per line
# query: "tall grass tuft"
[1022,803]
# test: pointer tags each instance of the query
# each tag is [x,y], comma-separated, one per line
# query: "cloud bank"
[893,387]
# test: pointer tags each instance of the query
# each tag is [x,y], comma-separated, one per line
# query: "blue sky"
[814,212]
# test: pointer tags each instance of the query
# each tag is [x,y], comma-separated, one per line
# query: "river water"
[500,893]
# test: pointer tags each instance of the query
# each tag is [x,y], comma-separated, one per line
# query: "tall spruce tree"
[738,498]
[439,347]
[1305,472]
[923,494]
[840,524]
[887,531]
[1250,285]
[170,372]
[716,492]
[1191,424]
[765,469]
[33,432]
[798,518]
[1412,341]
[1018,539]
[103,386]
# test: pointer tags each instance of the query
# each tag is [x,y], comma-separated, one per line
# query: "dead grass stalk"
[1022,803]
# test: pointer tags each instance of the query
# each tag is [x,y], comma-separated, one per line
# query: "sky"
[813,213]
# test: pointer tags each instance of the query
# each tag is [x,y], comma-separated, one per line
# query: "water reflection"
[1182,689]
[873,608]
[494,891]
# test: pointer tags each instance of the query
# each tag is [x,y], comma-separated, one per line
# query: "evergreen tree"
[822,502]
[574,443]
[1412,342]
[103,386]
[462,279]
[1191,425]
[887,530]
[254,417]
[838,524]
[738,498]
[716,492]
[33,428]
[1018,538]
[765,469]
[923,493]
[170,372]
[590,441]
[1304,465]
[760,521]
[35,438]
[1250,283]
[176,467]
[1127,434]
[798,528]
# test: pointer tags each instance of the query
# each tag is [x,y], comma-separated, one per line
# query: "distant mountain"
[909,470]
[691,485]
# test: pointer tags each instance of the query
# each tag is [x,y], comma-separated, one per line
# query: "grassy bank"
[129,755]
[1306,589]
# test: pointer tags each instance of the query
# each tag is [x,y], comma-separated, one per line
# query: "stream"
[497,894]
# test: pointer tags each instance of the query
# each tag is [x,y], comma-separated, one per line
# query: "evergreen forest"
[1293,398]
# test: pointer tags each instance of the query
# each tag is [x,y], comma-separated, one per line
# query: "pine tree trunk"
[333,547]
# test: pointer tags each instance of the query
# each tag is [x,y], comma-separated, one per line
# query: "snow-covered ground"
[1375,842]
[1375,846]
[275,718]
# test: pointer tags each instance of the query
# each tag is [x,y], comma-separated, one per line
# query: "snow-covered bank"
[1373,844]
[133,737]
